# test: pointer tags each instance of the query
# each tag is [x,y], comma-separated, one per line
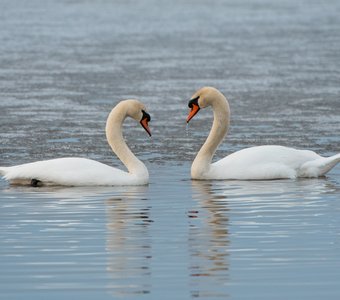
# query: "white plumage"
[255,163]
[75,171]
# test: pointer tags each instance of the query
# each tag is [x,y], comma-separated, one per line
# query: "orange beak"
[145,125]
[194,110]
[145,122]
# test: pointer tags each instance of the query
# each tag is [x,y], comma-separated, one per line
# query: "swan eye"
[193,105]
[146,116]
[193,102]
[144,122]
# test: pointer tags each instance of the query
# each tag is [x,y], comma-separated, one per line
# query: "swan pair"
[255,163]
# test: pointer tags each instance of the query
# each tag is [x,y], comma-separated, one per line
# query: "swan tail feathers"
[320,167]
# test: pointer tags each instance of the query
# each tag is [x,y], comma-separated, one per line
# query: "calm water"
[65,64]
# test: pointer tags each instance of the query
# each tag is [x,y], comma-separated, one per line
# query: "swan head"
[203,98]
[137,111]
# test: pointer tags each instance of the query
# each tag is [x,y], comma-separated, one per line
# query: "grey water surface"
[65,64]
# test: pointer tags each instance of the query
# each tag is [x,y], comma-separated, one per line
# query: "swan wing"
[262,162]
[69,172]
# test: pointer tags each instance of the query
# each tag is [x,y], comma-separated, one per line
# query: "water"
[64,65]
[173,239]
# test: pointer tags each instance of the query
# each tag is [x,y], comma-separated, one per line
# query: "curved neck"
[118,145]
[202,162]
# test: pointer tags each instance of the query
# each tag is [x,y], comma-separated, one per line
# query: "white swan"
[255,163]
[85,172]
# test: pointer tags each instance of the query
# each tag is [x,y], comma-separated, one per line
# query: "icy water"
[65,64]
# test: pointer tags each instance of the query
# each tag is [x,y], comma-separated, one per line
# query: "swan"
[254,163]
[76,171]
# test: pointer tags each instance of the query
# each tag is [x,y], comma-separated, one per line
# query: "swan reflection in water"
[229,214]
[208,242]
[97,233]
[237,233]
[128,243]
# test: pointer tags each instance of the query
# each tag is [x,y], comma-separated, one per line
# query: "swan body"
[254,163]
[69,171]
[76,171]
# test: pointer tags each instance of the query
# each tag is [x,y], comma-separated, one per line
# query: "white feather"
[85,172]
[255,163]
